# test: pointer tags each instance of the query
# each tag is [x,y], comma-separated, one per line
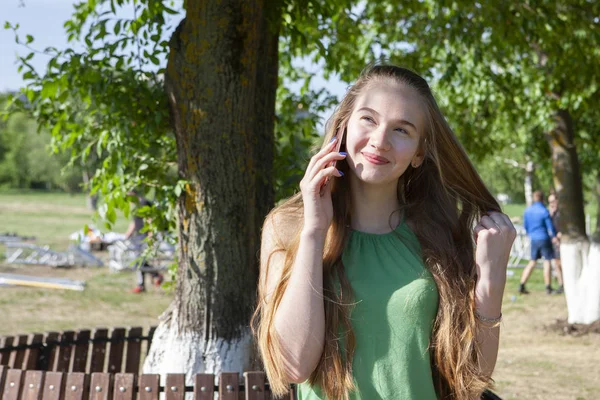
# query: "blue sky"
[41,18]
[44,19]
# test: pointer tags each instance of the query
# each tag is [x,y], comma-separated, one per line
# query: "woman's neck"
[372,206]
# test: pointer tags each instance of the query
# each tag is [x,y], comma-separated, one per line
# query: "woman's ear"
[418,158]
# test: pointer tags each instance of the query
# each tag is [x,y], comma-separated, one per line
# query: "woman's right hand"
[318,208]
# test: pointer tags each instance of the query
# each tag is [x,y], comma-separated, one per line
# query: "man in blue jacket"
[541,232]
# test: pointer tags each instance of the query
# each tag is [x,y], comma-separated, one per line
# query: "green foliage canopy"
[500,70]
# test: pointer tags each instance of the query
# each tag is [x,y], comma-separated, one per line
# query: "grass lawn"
[534,362]
[106,301]
[49,217]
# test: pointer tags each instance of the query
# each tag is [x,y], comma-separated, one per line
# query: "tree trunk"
[221,80]
[580,261]
[92,199]
[596,234]
[529,169]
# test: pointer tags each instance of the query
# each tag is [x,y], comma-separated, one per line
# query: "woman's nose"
[379,138]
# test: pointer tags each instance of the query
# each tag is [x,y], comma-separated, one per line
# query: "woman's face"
[552,203]
[384,132]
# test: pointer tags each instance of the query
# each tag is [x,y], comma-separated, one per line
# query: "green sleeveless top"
[397,301]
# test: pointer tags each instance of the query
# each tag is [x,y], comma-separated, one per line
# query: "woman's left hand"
[494,237]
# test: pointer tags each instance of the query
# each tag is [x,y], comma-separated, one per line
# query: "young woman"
[387,283]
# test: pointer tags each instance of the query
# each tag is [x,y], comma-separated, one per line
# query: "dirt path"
[535,362]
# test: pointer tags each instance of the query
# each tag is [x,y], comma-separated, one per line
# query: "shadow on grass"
[562,327]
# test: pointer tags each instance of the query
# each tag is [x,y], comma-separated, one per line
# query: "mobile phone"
[339,146]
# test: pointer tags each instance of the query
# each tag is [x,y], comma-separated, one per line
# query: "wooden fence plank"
[101,386]
[17,356]
[115,358]
[175,387]
[63,355]
[77,386]
[33,386]
[204,387]
[80,352]
[40,385]
[229,386]
[149,384]
[13,384]
[5,341]
[32,355]
[53,386]
[49,352]
[124,388]
[254,383]
[3,370]
[98,350]
[134,348]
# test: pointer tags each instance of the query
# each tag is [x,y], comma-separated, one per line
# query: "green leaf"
[63,96]
[102,210]
[111,215]
[49,89]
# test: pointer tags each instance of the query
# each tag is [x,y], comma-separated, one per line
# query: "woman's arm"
[300,317]
[488,304]
[495,235]
[299,321]
[130,230]
[549,225]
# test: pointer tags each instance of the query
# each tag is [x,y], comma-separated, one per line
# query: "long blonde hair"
[441,200]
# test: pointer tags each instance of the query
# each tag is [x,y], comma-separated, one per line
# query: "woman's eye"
[369,119]
[401,130]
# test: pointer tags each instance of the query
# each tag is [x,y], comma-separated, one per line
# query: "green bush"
[27,161]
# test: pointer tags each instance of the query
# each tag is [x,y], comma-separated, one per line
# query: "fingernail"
[341,173]
[333,139]
[343,153]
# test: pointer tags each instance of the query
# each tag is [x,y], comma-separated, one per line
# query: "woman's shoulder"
[410,238]
[410,224]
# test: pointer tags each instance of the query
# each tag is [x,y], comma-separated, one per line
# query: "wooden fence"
[116,350]
[17,384]
[105,364]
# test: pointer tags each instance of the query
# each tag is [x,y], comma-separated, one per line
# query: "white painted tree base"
[581,275]
[188,353]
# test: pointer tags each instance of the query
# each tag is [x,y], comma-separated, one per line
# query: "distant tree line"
[27,160]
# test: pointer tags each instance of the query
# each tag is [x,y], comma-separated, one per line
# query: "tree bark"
[92,199]
[596,234]
[529,169]
[221,80]
[567,178]
[580,261]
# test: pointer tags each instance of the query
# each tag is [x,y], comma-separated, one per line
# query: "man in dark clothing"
[542,234]
[137,237]
[555,215]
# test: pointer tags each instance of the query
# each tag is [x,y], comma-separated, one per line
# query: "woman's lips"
[375,159]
